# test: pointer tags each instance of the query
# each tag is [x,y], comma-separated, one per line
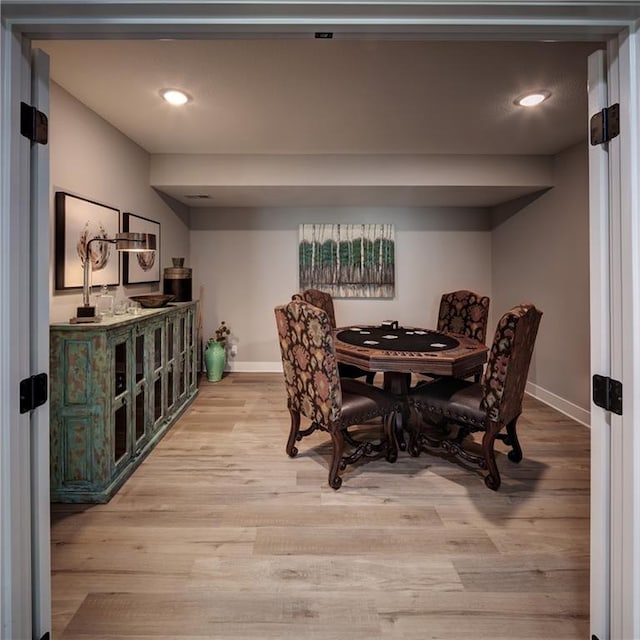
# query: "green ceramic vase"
[215,358]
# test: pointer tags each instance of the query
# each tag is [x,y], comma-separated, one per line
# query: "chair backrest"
[321,300]
[506,374]
[464,312]
[309,361]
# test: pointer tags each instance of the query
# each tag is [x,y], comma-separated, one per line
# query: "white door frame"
[39,337]
[625,433]
[15,432]
[615,343]
[503,19]
[600,279]
[614,251]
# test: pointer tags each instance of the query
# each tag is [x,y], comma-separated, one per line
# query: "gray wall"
[246,261]
[541,254]
[92,159]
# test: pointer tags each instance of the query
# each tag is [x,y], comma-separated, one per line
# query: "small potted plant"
[221,333]
[215,357]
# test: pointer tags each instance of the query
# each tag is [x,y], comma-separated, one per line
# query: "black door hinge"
[607,393]
[605,125]
[34,391]
[34,124]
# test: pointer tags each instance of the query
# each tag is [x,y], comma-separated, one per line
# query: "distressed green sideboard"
[116,387]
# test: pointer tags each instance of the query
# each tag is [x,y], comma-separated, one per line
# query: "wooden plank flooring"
[220,535]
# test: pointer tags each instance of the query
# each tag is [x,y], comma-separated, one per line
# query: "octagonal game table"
[398,352]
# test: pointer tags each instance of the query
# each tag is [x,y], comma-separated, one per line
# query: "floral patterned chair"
[324,301]
[464,312]
[467,313]
[489,406]
[315,390]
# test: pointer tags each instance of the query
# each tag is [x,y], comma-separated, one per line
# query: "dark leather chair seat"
[454,399]
[362,401]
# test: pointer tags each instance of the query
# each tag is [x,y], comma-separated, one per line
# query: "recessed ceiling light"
[174,96]
[532,99]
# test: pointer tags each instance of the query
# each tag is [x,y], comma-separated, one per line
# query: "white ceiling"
[312,96]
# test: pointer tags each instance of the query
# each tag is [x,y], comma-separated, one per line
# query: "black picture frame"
[78,219]
[144,267]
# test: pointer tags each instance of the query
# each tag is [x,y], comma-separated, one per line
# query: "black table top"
[400,339]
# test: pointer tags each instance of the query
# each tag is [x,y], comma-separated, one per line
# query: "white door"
[24,319]
[624,179]
[601,287]
[39,332]
[615,343]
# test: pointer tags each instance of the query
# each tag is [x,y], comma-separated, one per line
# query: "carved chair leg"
[492,479]
[335,481]
[515,455]
[370,377]
[292,450]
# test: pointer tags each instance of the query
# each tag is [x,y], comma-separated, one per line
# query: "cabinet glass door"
[191,352]
[182,369]
[157,403]
[121,427]
[171,364]
[140,384]
[121,415]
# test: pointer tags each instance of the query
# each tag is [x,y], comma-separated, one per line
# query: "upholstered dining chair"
[464,312]
[324,301]
[315,390]
[467,313]
[488,406]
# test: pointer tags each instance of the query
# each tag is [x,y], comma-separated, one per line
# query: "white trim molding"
[573,411]
[253,367]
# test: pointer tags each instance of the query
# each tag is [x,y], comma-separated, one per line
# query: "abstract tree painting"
[348,260]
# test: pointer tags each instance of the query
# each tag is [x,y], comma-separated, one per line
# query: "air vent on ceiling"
[197,196]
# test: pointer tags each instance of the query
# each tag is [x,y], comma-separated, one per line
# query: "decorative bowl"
[153,300]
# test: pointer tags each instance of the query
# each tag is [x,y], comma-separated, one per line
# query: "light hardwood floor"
[219,534]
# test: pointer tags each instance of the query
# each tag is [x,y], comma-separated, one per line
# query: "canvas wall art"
[77,220]
[143,266]
[348,260]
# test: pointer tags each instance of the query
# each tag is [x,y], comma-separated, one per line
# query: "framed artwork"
[77,220]
[144,266]
[348,260]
